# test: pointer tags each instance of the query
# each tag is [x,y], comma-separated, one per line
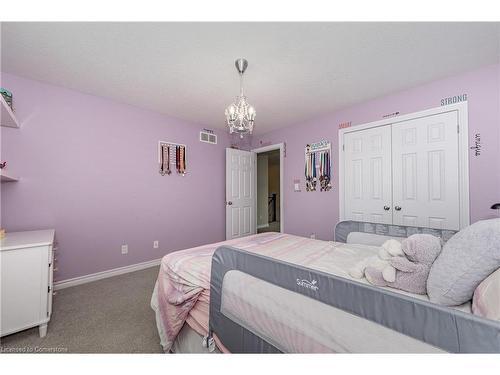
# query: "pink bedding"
[184,278]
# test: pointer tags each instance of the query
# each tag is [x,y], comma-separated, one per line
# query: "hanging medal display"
[181,160]
[307,168]
[318,166]
[325,171]
[169,155]
[164,159]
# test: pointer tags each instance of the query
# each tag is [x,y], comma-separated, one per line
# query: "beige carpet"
[106,316]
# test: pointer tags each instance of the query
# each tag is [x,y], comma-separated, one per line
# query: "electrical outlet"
[124,249]
[156,244]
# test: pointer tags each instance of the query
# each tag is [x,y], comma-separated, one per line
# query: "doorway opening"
[269,191]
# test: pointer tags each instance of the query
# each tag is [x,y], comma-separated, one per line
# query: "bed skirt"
[187,341]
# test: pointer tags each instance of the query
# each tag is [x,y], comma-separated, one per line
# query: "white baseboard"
[263,226]
[105,274]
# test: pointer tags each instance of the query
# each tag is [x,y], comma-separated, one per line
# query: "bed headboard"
[343,228]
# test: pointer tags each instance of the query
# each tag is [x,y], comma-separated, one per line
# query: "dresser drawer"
[24,285]
[26,278]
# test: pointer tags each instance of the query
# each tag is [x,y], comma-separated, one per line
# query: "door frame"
[463,152]
[281,147]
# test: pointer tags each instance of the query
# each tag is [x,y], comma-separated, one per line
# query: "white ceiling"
[296,70]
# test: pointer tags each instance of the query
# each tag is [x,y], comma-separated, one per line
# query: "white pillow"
[468,257]
[486,300]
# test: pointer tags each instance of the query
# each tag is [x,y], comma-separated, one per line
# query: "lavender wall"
[88,168]
[317,212]
[74,179]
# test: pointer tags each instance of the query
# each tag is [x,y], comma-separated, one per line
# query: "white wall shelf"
[7,117]
[5,177]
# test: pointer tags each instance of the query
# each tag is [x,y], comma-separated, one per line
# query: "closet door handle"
[397,208]
[387,208]
[229,203]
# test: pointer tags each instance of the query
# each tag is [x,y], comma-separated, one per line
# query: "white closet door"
[241,199]
[367,182]
[425,172]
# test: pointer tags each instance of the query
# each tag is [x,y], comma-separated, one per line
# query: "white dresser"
[26,278]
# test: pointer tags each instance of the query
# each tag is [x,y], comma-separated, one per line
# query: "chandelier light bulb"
[251,113]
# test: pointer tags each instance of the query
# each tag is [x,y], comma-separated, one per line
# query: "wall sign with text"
[477,145]
[344,125]
[393,114]
[454,99]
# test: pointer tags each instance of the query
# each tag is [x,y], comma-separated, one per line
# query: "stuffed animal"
[391,248]
[388,249]
[411,271]
[374,262]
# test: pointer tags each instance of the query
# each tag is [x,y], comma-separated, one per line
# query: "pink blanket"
[184,278]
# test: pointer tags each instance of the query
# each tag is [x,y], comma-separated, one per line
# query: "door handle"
[387,208]
[229,203]
[397,208]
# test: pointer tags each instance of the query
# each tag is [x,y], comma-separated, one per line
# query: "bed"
[182,292]
[263,291]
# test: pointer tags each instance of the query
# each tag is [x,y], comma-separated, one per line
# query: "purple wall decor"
[318,212]
[88,168]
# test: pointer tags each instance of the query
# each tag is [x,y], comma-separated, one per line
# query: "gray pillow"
[467,258]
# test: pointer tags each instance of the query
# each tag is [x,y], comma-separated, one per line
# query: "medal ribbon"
[168,158]
[161,158]
[182,159]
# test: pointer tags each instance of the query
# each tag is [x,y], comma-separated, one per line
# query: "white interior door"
[241,197]
[426,172]
[367,181]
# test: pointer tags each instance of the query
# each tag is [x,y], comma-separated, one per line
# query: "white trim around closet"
[463,154]
[281,147]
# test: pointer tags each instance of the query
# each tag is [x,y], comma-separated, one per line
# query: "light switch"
[296,185]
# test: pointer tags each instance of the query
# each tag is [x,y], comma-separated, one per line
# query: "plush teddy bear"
[388,250]
[411,271]
[374,262]
[380,262]
[391,248]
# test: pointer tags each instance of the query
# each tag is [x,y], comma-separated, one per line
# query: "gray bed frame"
[445,328]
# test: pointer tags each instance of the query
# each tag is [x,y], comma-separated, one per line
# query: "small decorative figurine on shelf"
[7,95]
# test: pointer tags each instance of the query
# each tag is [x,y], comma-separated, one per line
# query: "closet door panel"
[425,172]
[367,181]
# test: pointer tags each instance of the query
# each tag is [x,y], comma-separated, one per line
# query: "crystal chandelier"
[240,115]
